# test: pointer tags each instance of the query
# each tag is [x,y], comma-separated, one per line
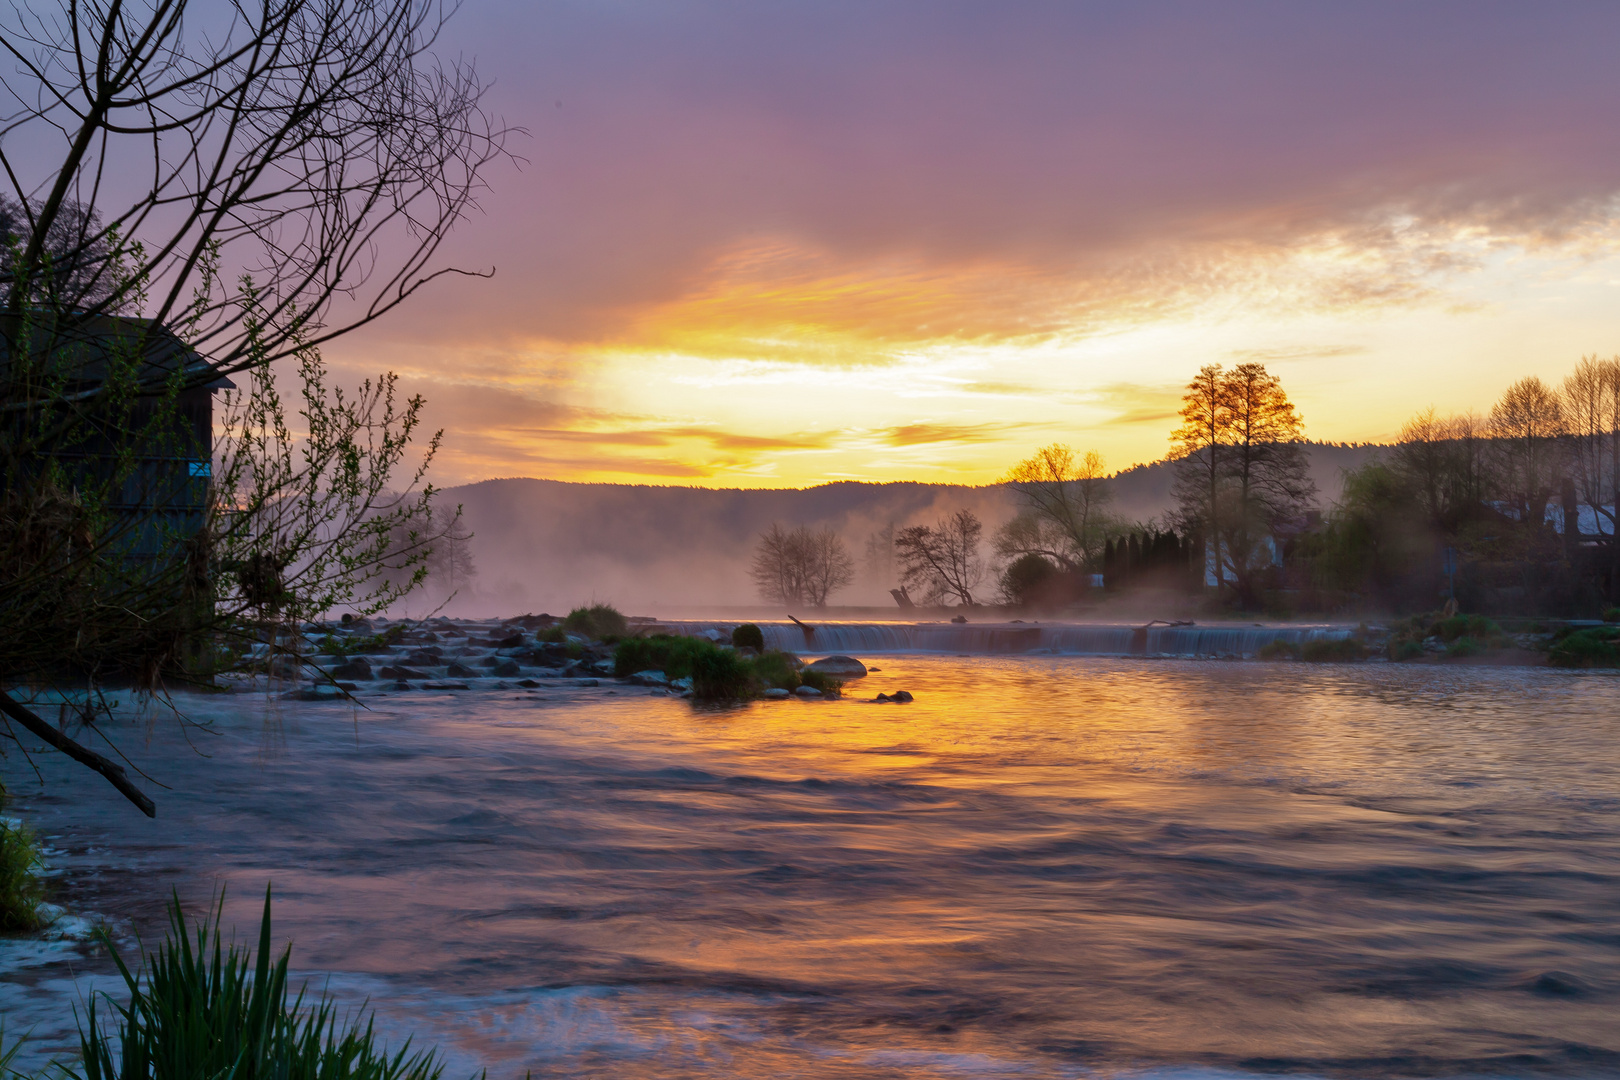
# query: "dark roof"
[79,348]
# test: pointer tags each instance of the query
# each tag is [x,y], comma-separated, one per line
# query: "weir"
[1068,639]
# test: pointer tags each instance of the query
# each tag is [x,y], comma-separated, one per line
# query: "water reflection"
[1043,866]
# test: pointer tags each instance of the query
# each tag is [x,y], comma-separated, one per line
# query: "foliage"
[1332,651]
[717,673]
[820,680]
[1027,578]
[1598,646]
[201,1009]
[748,636]
[673,654]
[21,890]
[801,566]
[1065,508]
[1527,428]
[1465,646]
[1477,627]
[721,675]
[1279,650]
[1240,468]
[1405,650]
[942,559]
[1612,615]
[598,621]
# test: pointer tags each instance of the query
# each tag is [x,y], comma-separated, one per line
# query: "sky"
[781,244]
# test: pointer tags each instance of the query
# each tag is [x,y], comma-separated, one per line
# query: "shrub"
[828,685]
[1328,652]
[779,670]
[721,675]
[201,1010]
[748,636]
[1279,650]
[1596,647]
[1405,650]
[553,634]
[672,654]
[1465,646]
[1484,631]
[21,890]
[597,621]
[1612,615]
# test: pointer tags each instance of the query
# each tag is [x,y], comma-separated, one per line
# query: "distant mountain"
[549,545]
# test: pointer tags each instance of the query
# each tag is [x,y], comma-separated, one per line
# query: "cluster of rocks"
[445,654]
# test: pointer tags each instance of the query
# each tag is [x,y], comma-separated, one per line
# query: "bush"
[748,636]
[201,1010]
[1329,652]
[1405,650]
[21,890]
[672,654]
[829,686]
[1480,628]
[1465,646]
[597,621]
[1612,615]
[554,634]
[778,670]
[1279,650]
[721,675]
[1596,647]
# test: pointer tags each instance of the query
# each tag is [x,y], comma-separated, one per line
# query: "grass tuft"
[1596,647]
[597,621]
[21,890]
[1331,652]
[200,1009]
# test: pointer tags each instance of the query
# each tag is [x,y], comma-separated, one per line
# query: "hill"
[548,545]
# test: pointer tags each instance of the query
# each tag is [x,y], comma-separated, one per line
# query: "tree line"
[1515,509]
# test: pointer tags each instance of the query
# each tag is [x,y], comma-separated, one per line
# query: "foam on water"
[1006,638]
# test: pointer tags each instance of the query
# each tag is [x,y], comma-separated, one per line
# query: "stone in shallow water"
[506,669]
[459,671]
[808,692]
[445,686]
[839,667]
[776,692]
[356,668]
[649,677]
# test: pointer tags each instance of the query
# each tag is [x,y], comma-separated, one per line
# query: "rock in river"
[839,667]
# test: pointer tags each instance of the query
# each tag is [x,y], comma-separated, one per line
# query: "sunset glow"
[780,257]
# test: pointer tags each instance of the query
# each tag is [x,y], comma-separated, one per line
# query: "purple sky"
[1095,158]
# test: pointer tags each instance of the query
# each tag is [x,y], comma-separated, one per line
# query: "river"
[1044,866]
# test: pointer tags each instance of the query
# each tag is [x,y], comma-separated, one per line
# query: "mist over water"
[1045,866]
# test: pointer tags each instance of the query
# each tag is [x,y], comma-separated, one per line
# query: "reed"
[200,1010]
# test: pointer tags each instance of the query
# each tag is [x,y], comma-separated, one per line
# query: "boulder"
[839,667]
[445,686]
[683,683]
[528,684]
[649,677]
[808,691]
[354,669]
[506,669]
[394,672]
[902,696]
[775,692]
[425,657]
[459,671]
[585,682]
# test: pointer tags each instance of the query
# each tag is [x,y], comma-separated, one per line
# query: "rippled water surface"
[1042,867]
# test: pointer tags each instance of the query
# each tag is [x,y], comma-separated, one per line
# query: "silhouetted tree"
[1064,517]
[1526,427]
[1240,468]
[942,560]
[802,566]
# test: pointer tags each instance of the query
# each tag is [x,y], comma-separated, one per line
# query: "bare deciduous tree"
[1065,508]
[237,168]
[1591,398]
[942,560]
[1526,427]
[802,566]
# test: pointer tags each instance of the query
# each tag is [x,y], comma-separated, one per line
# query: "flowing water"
[1043,867]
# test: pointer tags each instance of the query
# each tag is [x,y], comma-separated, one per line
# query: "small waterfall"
[1005,639]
